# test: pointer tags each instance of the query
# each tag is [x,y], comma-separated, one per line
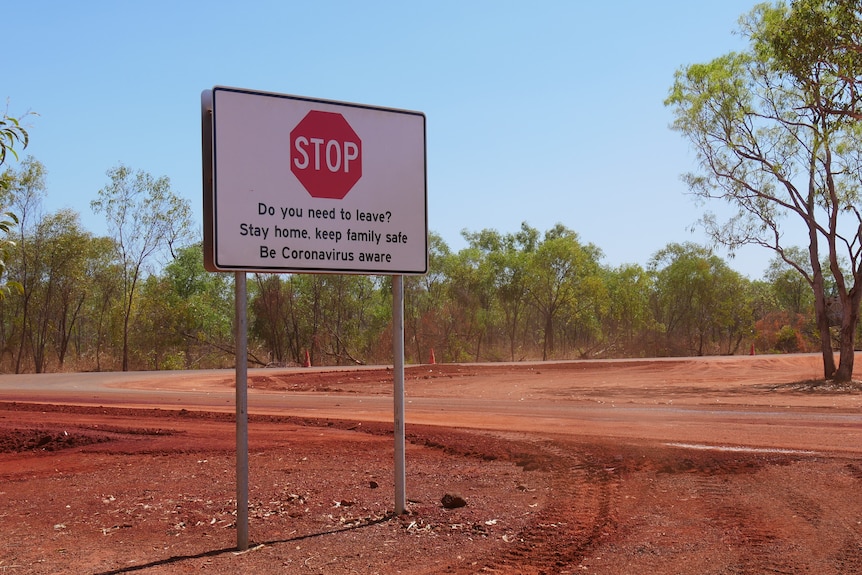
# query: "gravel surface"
[688,476]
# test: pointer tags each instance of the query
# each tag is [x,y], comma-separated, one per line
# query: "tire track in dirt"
[744,525]
[759,549]
[750,512]
[848,557]
[579,515]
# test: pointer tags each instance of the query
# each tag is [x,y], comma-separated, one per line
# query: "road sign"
[295,184]
[325,154]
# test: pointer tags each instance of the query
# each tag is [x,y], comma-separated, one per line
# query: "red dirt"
[720,466]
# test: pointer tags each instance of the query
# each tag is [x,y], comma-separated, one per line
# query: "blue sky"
[537,111]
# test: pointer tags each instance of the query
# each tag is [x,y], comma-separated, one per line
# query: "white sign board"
[301,185]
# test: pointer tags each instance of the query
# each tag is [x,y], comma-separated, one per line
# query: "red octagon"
[325,154]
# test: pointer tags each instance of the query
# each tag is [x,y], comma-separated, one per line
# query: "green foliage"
[184,315]
[336,319]
[7,221]
[628,321]
[563,277]
[524,295]
[777,138]
[816,42]
[701,303]
[207,296]
[789,287]
[145,218]
[788,340]
[518,295]
[12,134]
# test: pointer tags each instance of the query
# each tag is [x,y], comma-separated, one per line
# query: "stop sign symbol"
[325,154]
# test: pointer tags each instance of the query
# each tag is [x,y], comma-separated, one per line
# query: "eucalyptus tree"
[334,317]
[309,314]
[628,318]
[271,322]
[8,220]
[73,285]
[209,295]
[505,258]
[187,314]
[563,276]
[510,267]
[100,326]
[156,341]
[57,250]
[26,190]
[427,313]
[471,299]
[702,306]
[145,218]
[351,326]
[792,293]
[777,137]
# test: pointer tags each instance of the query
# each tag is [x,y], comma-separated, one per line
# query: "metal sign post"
[398,391]
[241,337]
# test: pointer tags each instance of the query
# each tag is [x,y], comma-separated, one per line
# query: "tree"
[506,259]
[185,315]
[777,139]
[206,302]
[348,312]
[470,296]
[56,289]
[144,216]
[563,275]
[27,190]
[269,323]
[703,306]
[8,220]
[629,287]
[791,291]
[101,319]
[427,319]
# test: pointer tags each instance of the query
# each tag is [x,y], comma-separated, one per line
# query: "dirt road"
[718,465]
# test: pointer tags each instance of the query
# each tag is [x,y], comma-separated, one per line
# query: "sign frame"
[250,194]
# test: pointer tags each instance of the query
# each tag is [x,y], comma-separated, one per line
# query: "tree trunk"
[825,336]
[849,319]
[548,347]
[126,315]
[25,320]
[820,308]
[126,343]
[844,373]
[513,336]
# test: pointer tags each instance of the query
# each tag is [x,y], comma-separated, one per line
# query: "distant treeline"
[136,301]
